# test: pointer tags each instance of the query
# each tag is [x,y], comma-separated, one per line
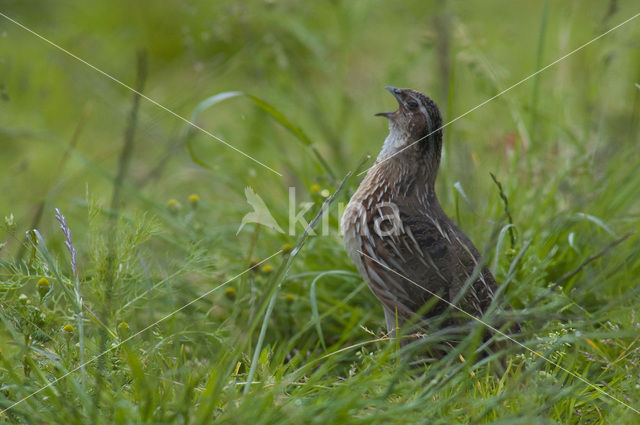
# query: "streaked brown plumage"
[395,219]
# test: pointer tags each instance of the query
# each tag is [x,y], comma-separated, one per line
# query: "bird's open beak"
[396,93]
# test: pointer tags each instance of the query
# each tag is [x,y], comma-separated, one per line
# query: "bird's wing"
[413,262]
[428,258]
[473,287]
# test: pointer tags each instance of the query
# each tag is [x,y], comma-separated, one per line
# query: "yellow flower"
[230,293]
[194,200]
[287,248]
[266,269]
[173,206]
[314,188]
[253,265]
[43,287]
[123,329]
[289,298]
[68,329]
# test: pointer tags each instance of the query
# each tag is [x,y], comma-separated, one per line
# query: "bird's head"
[417,121]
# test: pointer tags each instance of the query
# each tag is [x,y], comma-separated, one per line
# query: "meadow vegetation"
[127,294]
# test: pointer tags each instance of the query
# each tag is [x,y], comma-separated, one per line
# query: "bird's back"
[428,257]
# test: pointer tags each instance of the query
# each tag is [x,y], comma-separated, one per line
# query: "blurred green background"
[563,145]
[323,65]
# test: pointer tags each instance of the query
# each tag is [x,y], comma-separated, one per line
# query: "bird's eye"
[412,104]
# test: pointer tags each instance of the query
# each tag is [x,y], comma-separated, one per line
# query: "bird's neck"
[393,145]
[402,159]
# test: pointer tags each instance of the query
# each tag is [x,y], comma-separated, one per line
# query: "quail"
[395,231]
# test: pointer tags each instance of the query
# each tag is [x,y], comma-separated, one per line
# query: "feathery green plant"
[159,311]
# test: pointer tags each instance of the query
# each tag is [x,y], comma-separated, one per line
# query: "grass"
[140,304]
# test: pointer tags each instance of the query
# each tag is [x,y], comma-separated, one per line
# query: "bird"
[414,258]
